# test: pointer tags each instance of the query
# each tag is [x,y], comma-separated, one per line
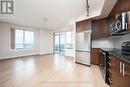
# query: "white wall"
[46,41]
[5,52]
[43,41]
[102,43]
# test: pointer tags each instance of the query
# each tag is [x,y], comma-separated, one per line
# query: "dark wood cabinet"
[95,58]
[118,72]
[78,26]
[83,25]
[110,20]
[115,72]
[126,75]
[121,6]
[99,28]
[95,30]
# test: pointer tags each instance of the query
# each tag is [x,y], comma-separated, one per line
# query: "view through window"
[63,40]
[21,39]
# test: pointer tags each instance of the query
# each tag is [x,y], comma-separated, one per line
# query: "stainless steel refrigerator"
[83,47]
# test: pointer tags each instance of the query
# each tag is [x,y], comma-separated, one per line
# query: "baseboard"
[82,64]
[13,57]
[46,53]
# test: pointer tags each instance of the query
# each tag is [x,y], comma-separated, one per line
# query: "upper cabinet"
[103,28]
[100,28]
[121,6]
[83,25]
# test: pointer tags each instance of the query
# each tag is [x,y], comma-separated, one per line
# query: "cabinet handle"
[103,53]
[109,64]
[109,58]
[100,64]
[110,80]
[120,67]
[109,70]
[123,69]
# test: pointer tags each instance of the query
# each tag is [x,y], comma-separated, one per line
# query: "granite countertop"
[118,53]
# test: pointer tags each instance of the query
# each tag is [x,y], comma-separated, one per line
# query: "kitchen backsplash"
[112,42]
[117,41]
[103,43]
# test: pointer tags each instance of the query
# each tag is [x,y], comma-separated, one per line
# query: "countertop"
[118,53]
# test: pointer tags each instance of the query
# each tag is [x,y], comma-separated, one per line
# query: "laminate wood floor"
[48,71]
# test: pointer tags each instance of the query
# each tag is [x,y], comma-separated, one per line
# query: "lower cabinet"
[126,75]
[118,72]
[95,56]
[115,75]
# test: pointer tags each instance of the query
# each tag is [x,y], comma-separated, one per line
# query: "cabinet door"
[116,72]
[79,26]
[86,25]
[103,28]
[126,75]
[100,28]
[83,25]
[95,56]
[94,30]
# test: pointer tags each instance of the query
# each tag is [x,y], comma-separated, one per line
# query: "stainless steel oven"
[103,56]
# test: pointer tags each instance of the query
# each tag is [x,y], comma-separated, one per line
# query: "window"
[69,40]
[21,39]
[29,39]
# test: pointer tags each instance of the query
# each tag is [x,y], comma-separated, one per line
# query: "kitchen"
[110,44]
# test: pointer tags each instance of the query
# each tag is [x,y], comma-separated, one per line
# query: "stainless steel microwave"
[119,25]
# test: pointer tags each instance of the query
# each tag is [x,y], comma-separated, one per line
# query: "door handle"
[109,58]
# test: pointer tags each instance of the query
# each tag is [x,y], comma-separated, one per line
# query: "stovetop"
[125,56]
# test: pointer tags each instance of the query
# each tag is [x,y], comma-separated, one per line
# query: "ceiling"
[51,14]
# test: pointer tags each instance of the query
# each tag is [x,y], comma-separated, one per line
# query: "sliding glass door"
[59,42]
[63,41]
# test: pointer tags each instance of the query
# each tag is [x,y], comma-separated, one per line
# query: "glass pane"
[68,40]
[57,42]
[62,42]
[29,39]
[19,39]
[68,37]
